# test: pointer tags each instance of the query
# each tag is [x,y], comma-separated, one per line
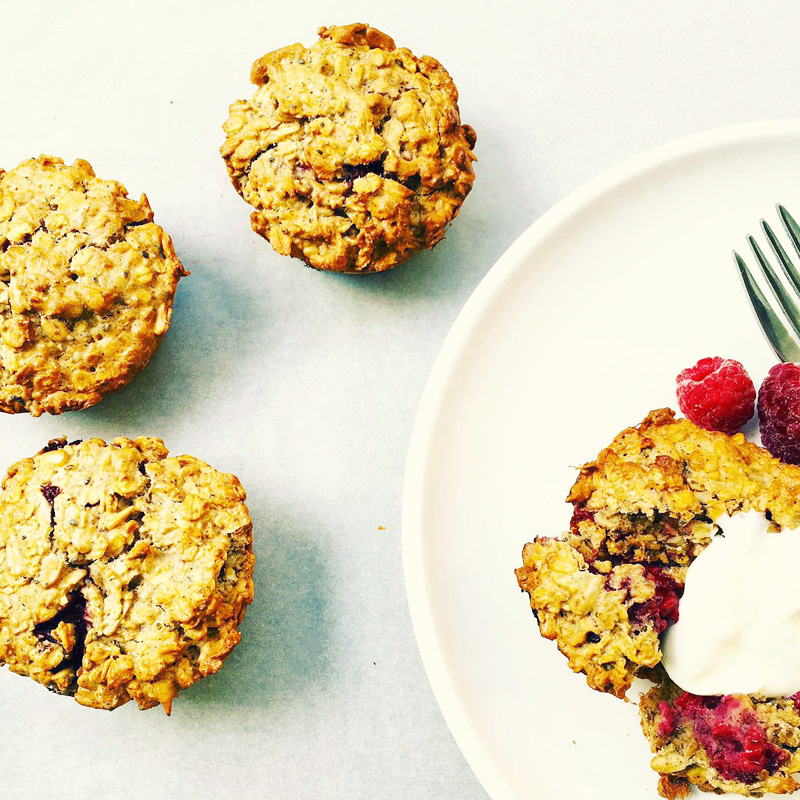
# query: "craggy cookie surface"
[124,573]
[87,281]
[351,152]
[606,589]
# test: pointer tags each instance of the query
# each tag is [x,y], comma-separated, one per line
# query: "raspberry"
[716,394]
[779,412]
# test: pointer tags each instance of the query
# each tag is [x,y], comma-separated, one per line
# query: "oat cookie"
[124,573]
[87,281]
[736,743]
[351,151]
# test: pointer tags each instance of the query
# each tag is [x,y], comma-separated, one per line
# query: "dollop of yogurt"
[739,625]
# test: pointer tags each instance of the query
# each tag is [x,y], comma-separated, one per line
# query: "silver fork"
[783,342]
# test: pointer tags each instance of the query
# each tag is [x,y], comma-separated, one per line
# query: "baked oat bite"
[605,590]
[642,511]
[124,573]
[87,282]
[744,744]
[351,152]
[605,623]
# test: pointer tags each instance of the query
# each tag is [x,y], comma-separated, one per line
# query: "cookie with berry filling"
[351,152]
[642,512]
[124,573]
[743,744]
[605,618]
[87,282]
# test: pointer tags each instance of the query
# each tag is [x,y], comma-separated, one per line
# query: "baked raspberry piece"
[744,744]
[662,608]
[717,394]
[779,412]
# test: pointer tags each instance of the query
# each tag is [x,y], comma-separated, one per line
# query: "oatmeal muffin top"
[351,151]
[124,573]
[87,281]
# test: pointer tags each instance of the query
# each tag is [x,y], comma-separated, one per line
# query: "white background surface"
[306,384]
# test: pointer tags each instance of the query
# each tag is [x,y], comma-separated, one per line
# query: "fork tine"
[776,332]
[792,228]
[791,271]
[787,303]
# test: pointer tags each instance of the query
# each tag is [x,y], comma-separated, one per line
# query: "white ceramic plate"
[577,332]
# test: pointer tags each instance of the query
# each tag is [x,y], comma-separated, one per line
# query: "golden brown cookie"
[87,281]
[351,151]
[124,573]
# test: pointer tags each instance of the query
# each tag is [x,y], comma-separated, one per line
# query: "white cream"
[739,624]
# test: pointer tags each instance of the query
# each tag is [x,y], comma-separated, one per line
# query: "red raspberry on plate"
[716,394]
[779,412]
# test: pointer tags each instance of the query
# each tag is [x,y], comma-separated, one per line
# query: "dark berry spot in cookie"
[592,637]
[351,172]
[73,276]
[134,582]
[259,154]
[50,493]
[661,610]
[145,254]
[142,468]
[54,444]
[73,613]
[580,514]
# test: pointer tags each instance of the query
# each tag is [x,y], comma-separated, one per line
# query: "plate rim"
[417,461]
